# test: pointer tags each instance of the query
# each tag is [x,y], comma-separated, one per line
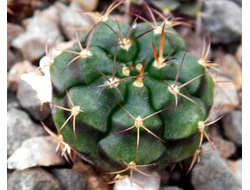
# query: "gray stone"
[13,30]
[33,90]
[13,56]
[222,19]
[212,172]
[232,126]
[12,101]
[239,2]
[14,74]
[70,179]
[36,151]
[69,18]
[228,148]
[19,128]
[231,67]
[33,179]
[41,28]
[225,93]
[236,167]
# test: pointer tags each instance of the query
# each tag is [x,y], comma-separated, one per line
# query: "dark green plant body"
[97,130]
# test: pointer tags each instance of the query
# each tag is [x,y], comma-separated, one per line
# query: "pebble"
[69,18]
[193,41]
[33,179]
[227,147]
[69,179]
[236,167]
[94,180]
[86,4]
[231,67]
[139,182]
[33,90]
[226,95]
[36,151]
[232,126]
[13,31]
[222,19]
[19,128]
[41,28]
[239,2]
[212,172]
[13,55]
[170,188]
[239,54]
[12,101]
[14,74]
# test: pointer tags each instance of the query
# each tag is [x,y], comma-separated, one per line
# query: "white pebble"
[139,182]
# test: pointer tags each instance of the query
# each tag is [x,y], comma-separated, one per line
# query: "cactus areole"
[135,99]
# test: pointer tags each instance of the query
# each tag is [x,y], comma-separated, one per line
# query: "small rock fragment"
[139,182]
[13,31]
[15,73]
[69,179]
[212,172]
[19,128]
[225,93]
[43,27]
[33,179]
[232,126]
[239,2]
[87,5]
[13,55]
[94,179]
[69,18]
[12,101]
[36,151]
[227,148]
[33,90]
[222,20]
[232,69]
[236,167]
[239,54]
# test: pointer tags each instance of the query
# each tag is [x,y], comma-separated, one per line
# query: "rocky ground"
[33,163]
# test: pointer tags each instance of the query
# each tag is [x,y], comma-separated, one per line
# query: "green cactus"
[127,102]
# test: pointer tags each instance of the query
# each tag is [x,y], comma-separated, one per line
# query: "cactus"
[131,96]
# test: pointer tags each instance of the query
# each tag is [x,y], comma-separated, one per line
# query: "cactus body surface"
[131,113]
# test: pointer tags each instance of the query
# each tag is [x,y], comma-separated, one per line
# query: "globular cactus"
[131,96]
